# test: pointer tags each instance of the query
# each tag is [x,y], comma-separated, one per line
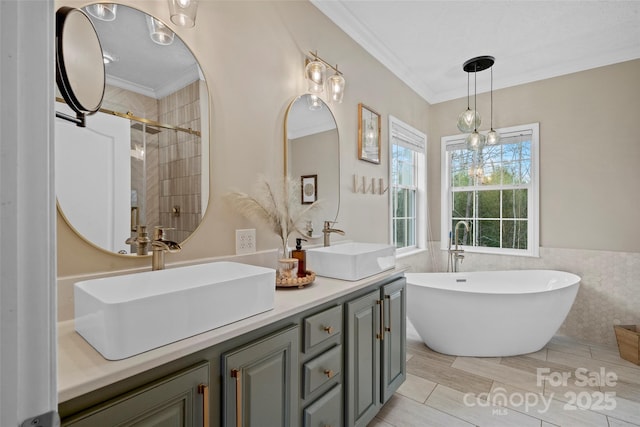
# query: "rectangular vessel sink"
[122,316]
[351,261]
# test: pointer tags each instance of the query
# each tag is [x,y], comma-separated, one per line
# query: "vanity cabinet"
[178,400]
[260,382]
[376,350]
[332,364]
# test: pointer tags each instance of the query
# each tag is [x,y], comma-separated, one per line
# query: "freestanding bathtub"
[489,313]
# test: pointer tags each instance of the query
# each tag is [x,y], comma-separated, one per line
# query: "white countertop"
[81,369]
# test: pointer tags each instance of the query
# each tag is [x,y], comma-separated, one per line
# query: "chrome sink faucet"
[327,230]
[159,245]
[457,254]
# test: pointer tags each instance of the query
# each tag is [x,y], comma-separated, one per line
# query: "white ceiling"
[141,65]
[425,42]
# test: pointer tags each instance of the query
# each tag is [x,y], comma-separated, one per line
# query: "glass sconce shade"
[469,120]
[315,72]
[336,87]
[102,11]
[314,102]
[183,12]
[159,33]
[493,137]
[475,141]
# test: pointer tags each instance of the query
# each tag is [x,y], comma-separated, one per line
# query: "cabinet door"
[394,344]
[261,382]
[363,359]
[180,400]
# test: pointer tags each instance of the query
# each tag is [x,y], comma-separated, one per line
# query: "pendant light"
[493,137]
[469,120]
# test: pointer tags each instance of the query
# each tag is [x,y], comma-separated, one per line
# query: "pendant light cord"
[475,98]
[491,98]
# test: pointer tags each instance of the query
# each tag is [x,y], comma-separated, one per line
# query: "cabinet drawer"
[322,326]
[322,369]
[326,411]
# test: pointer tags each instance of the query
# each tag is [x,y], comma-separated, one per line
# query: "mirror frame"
[203,133]
[70,46]
[286,146]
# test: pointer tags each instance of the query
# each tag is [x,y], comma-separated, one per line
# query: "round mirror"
[143,157]
[80,72]
[312,154]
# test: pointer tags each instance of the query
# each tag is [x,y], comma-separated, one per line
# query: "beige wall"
[248,104]
[589,153]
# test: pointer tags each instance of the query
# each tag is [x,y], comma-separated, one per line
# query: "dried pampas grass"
[275,204]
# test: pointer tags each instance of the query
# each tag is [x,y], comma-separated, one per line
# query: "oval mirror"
[312,150]
[80,74]
[143,158]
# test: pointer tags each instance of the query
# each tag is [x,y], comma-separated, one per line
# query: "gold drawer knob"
[329,373]
[328,329]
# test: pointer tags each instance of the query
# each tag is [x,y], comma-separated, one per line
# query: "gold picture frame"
[369,123]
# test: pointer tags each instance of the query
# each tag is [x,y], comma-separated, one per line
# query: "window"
[407,186]
[495,190]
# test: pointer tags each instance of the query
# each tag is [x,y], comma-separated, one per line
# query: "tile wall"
[180,162]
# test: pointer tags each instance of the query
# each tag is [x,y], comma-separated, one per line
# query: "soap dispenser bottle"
[301,255]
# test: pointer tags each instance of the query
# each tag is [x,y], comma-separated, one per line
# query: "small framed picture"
[368,134]
[309,189]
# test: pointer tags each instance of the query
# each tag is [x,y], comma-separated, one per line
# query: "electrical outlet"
[245,241]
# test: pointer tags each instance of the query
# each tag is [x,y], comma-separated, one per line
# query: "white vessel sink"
[122,316]
[351,261]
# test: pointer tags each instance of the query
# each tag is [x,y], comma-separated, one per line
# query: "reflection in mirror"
[312,148]
[144,157]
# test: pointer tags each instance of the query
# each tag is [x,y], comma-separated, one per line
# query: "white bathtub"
[489,313]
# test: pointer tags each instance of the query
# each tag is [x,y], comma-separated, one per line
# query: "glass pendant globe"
[493,137]
[475,141]
[469,120]
[336,87]
[315,72]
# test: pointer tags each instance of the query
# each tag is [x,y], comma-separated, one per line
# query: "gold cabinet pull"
[329,373]
[238,376]
[380,335]
[203,389]
[388,329]
[328,329]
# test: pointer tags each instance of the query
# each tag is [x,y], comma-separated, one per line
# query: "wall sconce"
[183,12]
[469,120]
[315,73]
[159,32]
[102,11]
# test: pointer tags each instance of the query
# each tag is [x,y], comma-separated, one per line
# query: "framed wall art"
[309,189]
[368,134]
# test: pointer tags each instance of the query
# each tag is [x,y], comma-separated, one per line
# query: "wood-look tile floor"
[568,383]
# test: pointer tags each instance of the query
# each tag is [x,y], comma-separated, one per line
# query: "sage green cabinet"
[179,400]
[394,345]
[260,382]
[376,350]
[333,364]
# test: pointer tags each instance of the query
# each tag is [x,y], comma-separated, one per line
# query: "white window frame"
[533,209]
[400,133]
